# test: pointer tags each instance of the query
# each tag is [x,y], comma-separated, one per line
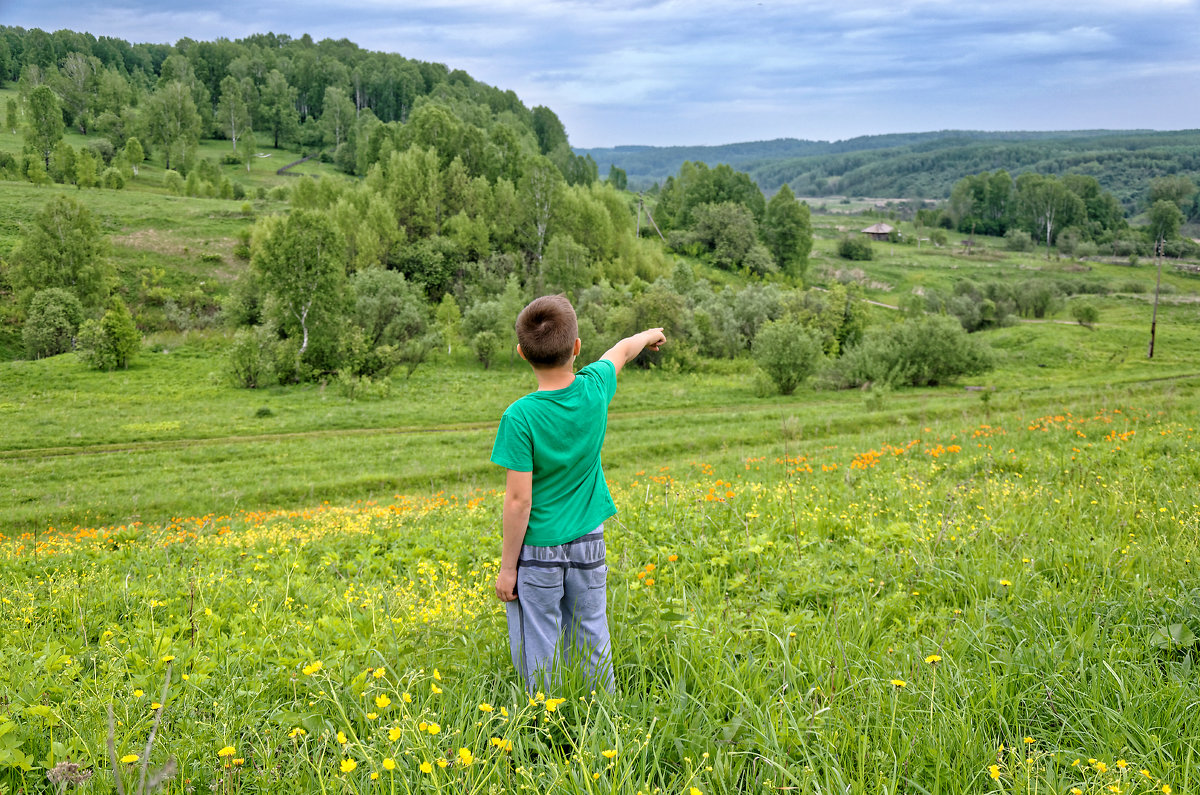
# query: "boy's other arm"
[628,349]
[518,498]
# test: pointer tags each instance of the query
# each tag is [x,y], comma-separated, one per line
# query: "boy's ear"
[520,352]
[578,346]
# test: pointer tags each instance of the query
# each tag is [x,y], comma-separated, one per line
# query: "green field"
[982,587]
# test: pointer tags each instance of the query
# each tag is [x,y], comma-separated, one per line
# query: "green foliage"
[1085,313]
[53,320]
[726,231]
[250,361]
[63,247]
[1018,240]
[300,261]
[855,247]
[1165,218]
[787,229]
[924,351]
[43,123]
[486,346]
[788,352]
[112,343]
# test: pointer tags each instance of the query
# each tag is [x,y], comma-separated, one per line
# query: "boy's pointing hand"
[654,338]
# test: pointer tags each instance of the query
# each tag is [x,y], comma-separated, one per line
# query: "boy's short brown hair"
[547,330]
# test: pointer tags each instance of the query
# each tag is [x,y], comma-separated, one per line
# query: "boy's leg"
[584,611]
[535,618]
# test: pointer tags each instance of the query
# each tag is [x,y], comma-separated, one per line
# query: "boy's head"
[547,330]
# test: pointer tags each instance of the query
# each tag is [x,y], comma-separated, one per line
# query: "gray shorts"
[559,617]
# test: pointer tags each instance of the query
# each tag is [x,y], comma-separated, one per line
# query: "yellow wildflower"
[994,772]
[434,688]
[426,768]
[394,733]
[464,756]
[138,694]
[406,697]
[933,659]
[348,765]
[486,708]
[129,759]
[389,764]
[609,754]
[168,658]
[437,674]
[382,701]
[378,673]
[239,761]
[341,737]
[899,683]
[442,762]
[434,728]
[226,751]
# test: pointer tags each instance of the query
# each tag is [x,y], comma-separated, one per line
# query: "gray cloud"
[713,71]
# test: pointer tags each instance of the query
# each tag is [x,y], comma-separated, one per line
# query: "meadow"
[922,590]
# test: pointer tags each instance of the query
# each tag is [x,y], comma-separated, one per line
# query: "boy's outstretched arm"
[628,349]
[518,497]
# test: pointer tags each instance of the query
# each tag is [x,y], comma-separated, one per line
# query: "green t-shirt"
[557,435]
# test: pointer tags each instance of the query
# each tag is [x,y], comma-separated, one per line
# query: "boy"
[552,570]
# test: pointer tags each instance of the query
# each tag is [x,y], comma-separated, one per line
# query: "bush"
[1018,240]
[173,181]
[853,247]
[54,318]
[486,346]
[924,351]
[788,353]
[112,343]
[251,360]
[1085,314]
[112,178]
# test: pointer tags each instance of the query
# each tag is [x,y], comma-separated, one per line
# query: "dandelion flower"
[382,701]
[933,659]
[226,751]
[899,683]
[239,761]
[129,759]
[168,658]
[348,765]
[609,754]
[155,705]
[1006,583]
[425,768]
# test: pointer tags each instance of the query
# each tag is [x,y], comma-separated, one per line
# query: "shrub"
[112,343]
[173,181]
[788,353]
[853,247]
[112,178]
[1018,240]
[251,360]
[486,346]
[920,352]
[1085,313]
[54,318]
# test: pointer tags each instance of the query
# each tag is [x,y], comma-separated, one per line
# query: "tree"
[12,116]
[337,116]
[54,318]
[172,122]
[787,352]
[617,177]
[134,154]
[112,343]
[1177,188]
[548,129]
[725,229]
[77,84]
[233,117]
[788,231]
[301,261]
[43,123]
[277,107]
[63,247]
[1046,205]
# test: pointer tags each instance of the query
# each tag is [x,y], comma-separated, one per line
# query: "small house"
[879,231]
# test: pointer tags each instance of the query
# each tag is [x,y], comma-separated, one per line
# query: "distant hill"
[927,164]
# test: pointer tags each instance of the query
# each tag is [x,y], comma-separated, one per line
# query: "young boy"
[552,570]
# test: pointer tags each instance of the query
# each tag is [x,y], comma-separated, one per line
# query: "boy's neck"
[552,378]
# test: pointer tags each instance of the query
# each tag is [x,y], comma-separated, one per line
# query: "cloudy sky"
[717,71]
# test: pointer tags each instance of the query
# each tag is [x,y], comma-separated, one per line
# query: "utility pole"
[1158,247]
